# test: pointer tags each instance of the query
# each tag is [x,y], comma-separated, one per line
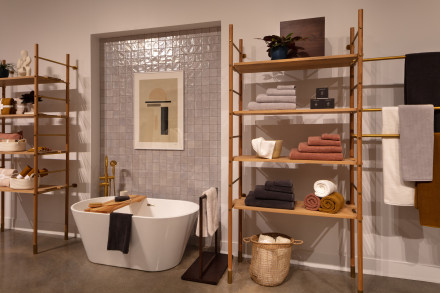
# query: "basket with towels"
[283,97]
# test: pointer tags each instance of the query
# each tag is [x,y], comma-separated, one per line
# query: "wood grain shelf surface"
[287,160]
[348,212]
[41,189]
[296,111]
[41,115]
[296,64]
[32,153]
[27,80]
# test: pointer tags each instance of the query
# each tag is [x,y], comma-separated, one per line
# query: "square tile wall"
[164,174]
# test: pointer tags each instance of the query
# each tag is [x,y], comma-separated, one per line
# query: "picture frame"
[159,110]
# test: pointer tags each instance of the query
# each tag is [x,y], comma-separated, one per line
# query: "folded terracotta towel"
[275,99]
[279,185]
[271,106]
[281,92]
[317,140]
[268,203]
[312,202]
[332,203]
[296,155]
[16,135]
[331,136]
[261,193]
[305,148]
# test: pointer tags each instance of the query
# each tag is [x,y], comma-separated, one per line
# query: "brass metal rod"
[379,135]
[52,98]
[54,171]
[50,134]
[235,180]
[354,38]
[236,48]
[108,177]
[235,92]
[380,109]
[53,61]
[236,136]
[384,58]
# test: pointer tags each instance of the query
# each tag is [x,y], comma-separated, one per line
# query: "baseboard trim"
[57,233]
[372,266]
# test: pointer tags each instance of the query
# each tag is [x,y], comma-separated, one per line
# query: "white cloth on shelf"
[280,92]
[266,239]
[396,191]
[281,239]
[263,148]
[324,188]
[286,87]
[210,214]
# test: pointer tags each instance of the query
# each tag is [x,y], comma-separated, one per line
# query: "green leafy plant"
[288,41]
[29,98]
[6,66]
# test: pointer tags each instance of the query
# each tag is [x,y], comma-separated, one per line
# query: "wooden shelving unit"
[353,210]
[36,81]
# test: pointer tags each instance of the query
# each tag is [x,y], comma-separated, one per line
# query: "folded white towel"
[324,188]
[281,239]
[286,87]
[395,190]
[265,239]
[263,148]
[210,213]
[278,92]
[271,106]
[262,98]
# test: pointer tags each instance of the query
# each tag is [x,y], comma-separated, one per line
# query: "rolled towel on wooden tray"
[332,203]
[312,202]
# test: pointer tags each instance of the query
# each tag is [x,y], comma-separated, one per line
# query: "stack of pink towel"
[326,147]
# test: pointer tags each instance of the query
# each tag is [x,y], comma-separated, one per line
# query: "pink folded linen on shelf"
[305,148]
[312,202]
[331,136]
[5,176]
[16,135]
[318,141]
[296,155]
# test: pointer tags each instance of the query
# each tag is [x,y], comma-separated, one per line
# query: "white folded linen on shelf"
[324,188]
[263,148]
[278,92]
[286,87]
[262,98]
[265,239]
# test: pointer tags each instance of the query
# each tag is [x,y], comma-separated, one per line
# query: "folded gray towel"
[271,106]
[278,92]
[251,200]
[286,87]
[262,98]
[416,142]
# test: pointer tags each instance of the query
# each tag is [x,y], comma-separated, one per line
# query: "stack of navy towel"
[273,194]
[283,97]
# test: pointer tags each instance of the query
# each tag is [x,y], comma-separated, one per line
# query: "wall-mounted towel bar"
[380,109]
[384,58]
[378,135]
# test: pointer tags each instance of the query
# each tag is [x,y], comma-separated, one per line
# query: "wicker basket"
[15,183]
[270,263]
[12,145]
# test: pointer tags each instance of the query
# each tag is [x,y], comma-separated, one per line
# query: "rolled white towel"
[265,239]
[286,87]
[263,148]
[281,239]
[324,188]
[278,92]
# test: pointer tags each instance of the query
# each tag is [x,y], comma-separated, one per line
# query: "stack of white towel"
[283,97]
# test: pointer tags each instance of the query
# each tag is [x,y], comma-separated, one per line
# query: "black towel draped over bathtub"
[119,232]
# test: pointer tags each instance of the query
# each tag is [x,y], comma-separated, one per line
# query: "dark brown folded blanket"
[427,193]
[305,148]
[332,203]
[268,203]
[261,193]
[312,202]
[317,140]
[331,136]
[296,155]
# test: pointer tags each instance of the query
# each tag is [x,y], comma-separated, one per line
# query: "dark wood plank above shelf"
[296,64]
[296,111]
[27,80]
[287,160]
[348,212]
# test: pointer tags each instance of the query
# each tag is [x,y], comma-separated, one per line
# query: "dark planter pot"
[278,52]
[4,73]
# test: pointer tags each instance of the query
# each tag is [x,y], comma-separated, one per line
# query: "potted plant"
[28,99]
[5,68]
[282,47]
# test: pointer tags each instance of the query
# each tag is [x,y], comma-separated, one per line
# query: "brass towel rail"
[380,109]
[384,58]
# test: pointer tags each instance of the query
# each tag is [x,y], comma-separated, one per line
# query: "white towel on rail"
[324,188]
[396,191]
[210,213]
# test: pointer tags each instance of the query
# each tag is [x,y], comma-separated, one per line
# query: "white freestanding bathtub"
[159,233]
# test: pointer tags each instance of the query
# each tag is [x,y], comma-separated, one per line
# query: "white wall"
[395,244]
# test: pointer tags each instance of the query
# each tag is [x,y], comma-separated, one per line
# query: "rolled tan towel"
[331,136]
[317,140]
[332,203]
[305,148]
[24,172]
[296,155]
[312,202]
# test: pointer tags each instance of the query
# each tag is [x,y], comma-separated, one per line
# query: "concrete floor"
[62,266]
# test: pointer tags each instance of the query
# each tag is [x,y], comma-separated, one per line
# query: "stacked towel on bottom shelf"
[281,98]
[326,147]
[274,194]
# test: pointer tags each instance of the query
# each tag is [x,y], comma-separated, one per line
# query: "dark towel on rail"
[422,76]
[119,232]
[427,193]
[261,193]
[268,203]
[280,186]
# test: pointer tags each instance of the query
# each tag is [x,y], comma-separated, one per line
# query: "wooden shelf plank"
[296,64]
[32,153]
[297,111]
[27,80]
[287,160]
[41,189]
[41,115]
[348,212]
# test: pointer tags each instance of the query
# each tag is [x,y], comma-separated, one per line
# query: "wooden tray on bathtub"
[112,205]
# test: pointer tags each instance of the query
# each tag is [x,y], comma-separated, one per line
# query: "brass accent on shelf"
[384,58]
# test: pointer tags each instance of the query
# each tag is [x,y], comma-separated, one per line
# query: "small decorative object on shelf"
[322,100]
[24,64]
[5,69]
[282,47]
[28,99]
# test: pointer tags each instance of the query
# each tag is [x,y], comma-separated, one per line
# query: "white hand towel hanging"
[263,148]
[210,213]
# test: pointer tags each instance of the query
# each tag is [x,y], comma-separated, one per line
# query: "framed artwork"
[158,110]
